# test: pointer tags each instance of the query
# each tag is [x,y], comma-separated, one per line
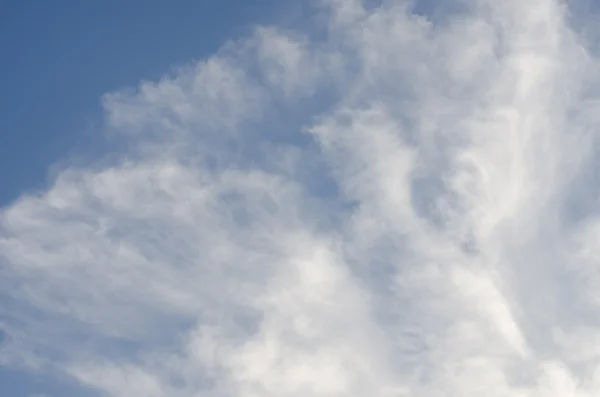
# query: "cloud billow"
[383,210]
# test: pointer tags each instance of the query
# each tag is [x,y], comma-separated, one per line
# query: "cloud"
[402,207]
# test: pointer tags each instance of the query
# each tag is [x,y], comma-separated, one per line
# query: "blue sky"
[60,57]
[277,199]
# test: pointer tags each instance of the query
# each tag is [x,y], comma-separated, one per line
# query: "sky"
[315,198]
[60,57]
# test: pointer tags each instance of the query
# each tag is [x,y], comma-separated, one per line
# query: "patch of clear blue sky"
[59,57]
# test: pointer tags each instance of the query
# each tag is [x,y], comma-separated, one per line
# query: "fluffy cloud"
[403,206]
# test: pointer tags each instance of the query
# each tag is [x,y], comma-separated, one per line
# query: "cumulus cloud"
[405,205]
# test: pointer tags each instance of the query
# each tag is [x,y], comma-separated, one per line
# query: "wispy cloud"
[402,206]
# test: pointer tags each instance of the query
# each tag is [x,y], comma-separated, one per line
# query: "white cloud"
[447,260]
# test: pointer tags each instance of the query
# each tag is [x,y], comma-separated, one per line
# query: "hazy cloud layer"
[401,205]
